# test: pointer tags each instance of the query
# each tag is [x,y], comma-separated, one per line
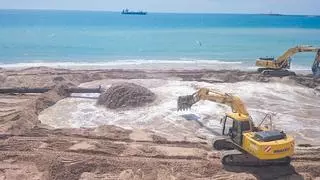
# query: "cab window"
[228,124]
[245,126]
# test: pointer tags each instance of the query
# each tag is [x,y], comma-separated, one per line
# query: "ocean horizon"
[160,12]
[66,37]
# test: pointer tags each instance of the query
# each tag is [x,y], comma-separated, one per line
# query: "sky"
[309,7]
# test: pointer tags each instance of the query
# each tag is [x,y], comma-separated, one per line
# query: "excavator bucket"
[185,102]
[316,66]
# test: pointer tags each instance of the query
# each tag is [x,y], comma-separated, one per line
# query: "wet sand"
[32,150]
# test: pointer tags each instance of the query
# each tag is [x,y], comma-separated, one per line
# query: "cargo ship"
[126,11]
[273,14]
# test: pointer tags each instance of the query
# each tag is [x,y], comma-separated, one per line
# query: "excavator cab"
[234,125]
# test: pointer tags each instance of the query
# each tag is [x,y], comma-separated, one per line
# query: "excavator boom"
[292,51]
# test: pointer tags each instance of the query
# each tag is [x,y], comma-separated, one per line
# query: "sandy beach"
[41,138]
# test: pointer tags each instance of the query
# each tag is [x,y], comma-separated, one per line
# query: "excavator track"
[222,143]
[233,157]
[277,73]
[237,158]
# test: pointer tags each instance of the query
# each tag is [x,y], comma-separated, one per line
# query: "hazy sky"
[198,6]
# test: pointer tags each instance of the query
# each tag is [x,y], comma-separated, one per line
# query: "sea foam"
[294,109]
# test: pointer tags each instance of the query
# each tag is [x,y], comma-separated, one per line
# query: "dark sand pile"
[126,95]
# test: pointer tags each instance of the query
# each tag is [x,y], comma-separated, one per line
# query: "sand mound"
[126,95]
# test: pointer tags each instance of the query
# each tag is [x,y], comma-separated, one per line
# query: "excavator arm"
[292,51]
[237,106]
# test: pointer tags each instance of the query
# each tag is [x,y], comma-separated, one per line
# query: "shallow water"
[295,109]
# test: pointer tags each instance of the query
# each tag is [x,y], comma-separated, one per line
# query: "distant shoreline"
[150,66]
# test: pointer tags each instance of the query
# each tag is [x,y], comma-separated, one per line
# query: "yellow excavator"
[280,66]
[245,144]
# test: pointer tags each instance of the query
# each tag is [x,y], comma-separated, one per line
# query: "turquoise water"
[28,36]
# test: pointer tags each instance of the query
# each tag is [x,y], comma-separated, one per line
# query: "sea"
[167,40]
